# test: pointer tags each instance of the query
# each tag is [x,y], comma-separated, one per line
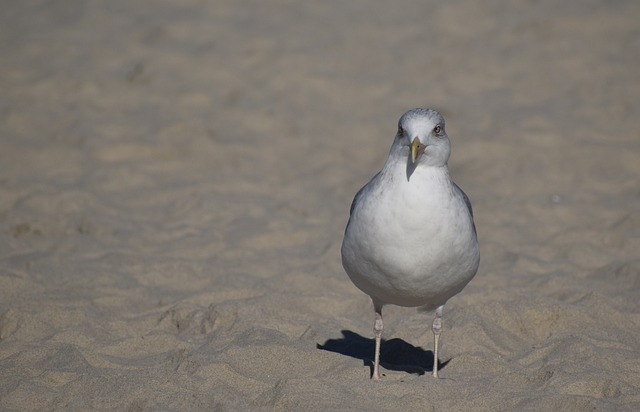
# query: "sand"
[175,178]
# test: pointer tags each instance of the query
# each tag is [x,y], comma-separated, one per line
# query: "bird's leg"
[436,328]
[377,330]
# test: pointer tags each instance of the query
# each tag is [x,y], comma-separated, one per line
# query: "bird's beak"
[417,148]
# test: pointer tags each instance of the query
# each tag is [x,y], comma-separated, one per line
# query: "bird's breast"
[416,242]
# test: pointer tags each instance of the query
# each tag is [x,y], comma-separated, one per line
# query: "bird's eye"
[400,131]
[437,129]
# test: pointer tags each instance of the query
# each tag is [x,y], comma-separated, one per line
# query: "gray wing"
[466,202]
[465,197]
[360,192]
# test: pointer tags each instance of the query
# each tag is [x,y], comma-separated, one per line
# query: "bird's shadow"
[395,354]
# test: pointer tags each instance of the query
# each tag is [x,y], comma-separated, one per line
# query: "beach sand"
[175,178]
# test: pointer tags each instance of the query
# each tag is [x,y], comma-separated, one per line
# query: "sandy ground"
[175,177]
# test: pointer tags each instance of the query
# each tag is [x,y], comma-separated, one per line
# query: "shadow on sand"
[395,354]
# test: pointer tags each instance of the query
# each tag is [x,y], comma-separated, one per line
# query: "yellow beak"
[417,149]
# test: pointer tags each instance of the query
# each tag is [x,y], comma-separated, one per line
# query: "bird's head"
[422,137]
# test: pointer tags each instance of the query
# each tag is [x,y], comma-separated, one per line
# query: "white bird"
[411,239]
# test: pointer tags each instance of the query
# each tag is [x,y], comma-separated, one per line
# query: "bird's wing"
[465,197]
[360,192]
[467,202]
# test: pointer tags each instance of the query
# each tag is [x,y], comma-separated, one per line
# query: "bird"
[411,239]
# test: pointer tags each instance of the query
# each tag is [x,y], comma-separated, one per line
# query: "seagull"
[411,240]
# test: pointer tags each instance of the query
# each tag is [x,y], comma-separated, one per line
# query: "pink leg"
[436,328]
[377,330]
